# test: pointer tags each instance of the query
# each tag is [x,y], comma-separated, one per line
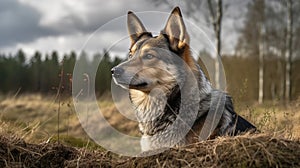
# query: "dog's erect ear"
[135,27]
[176,31]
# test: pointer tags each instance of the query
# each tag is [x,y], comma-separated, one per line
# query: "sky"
[94,25]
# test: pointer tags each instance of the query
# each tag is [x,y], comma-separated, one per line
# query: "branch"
[211,11]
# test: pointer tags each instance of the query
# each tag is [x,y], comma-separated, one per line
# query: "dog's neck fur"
[156,110]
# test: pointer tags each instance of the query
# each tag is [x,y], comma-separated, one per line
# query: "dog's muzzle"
[127,80]
[119,77]
[117,72]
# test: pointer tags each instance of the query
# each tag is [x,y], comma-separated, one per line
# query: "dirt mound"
[258,150]
[15,152]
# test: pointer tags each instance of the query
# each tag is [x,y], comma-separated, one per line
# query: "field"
[35,126]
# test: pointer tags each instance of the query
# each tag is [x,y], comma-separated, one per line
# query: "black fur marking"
[178,52]
[148,34]
[238,122]
[169,114]
[243,125]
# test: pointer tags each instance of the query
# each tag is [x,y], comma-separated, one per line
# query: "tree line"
[44,73]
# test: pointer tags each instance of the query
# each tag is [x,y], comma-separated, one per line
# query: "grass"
[271,117]
[40,114]
[33,118]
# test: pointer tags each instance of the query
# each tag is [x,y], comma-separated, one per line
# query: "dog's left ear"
[176,31]
[135,27]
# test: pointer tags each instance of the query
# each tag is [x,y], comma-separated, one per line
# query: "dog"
[175,104]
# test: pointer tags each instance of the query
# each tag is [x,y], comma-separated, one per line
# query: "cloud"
[40,25]
[74,42]
[66,25]
[19,23]
[68,16]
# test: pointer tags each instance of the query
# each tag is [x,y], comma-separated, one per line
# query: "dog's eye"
[148,56]
[129,55]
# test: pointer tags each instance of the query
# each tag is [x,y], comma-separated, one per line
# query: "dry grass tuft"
[258,150]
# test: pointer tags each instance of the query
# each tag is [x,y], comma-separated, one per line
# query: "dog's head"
[154,62]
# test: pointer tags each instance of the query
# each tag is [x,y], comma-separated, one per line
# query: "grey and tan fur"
[168,90]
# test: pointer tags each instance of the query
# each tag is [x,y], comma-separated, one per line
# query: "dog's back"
[210,125]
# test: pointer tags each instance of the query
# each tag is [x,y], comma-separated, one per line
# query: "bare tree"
[261,49]
[288,52]
[216,20]
[276,48]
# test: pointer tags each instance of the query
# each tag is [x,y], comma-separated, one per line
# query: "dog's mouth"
[140,85]
[133,84]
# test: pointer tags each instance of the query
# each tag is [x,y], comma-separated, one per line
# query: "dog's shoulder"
[228,121]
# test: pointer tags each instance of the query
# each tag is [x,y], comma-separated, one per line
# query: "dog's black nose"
[116,71]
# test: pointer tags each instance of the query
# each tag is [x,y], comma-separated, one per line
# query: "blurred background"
[257,41]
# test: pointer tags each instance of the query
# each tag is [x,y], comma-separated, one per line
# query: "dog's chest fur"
[156,111]
[158,115]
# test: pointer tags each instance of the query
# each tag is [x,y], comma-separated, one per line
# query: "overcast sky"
[65,25]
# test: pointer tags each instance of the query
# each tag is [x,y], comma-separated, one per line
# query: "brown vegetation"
[258,150]
[28,138]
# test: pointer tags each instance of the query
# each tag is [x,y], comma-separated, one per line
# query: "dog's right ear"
[135,27]
[176,31]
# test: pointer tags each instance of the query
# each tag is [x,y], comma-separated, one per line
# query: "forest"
[43,73]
